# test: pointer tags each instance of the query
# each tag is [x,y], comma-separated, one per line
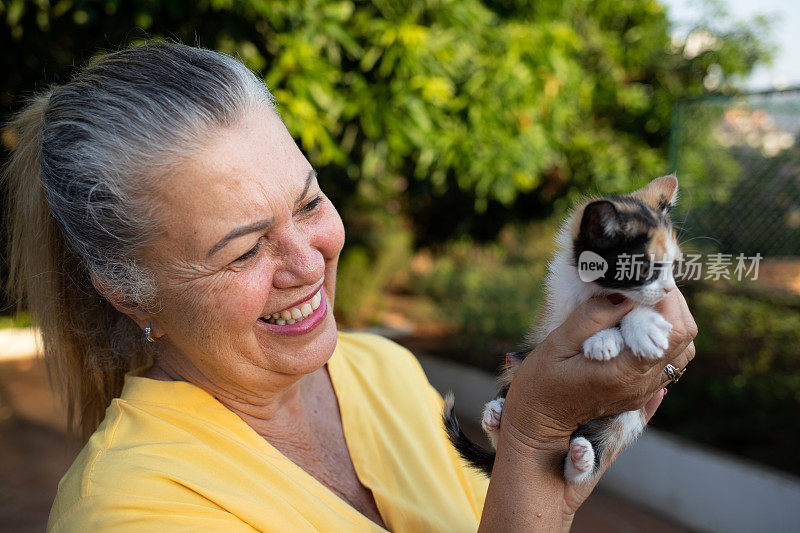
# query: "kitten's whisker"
[700,237]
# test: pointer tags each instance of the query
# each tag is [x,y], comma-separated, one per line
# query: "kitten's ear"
[600,223]
[661,193]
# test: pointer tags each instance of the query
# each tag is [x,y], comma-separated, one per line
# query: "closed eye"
[248,254]
[310,206]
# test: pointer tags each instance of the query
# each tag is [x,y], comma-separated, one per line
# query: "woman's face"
[246,234]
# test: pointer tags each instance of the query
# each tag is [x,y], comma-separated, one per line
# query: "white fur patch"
[645,332]
[603,345]
[632,424]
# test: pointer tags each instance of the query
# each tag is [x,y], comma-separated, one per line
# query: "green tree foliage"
[491,99]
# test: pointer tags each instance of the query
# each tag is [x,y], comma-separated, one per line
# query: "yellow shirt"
[169,457]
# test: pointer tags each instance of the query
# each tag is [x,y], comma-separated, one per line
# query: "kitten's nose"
[667,289]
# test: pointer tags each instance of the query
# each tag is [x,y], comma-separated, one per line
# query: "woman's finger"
[655,373]
[593,315]
[651,406]
[680,362]
[688,319]
[680,335]
[676,311]
[673,309]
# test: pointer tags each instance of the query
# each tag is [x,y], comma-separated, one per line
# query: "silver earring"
[147,334]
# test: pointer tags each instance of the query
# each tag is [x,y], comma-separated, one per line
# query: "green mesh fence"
[738,161]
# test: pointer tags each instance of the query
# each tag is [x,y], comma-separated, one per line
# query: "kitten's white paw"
[579,464]
[603,345]
[646,332]
[492,412]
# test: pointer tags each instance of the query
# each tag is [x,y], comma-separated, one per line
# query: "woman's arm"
[527,485]
[553,392]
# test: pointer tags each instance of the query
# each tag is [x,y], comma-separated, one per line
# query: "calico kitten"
[614,230]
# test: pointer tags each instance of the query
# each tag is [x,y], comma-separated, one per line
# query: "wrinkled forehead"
[251,171]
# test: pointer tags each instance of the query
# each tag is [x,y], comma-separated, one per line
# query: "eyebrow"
[261,225]
[312,175]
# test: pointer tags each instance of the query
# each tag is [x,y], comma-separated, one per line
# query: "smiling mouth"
[297,313]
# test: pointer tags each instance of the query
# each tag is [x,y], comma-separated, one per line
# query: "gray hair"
[84,157]
[118,126]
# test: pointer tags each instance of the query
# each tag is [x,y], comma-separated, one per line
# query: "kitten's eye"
[248,254]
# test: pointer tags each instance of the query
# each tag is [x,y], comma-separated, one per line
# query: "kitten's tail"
[471,452]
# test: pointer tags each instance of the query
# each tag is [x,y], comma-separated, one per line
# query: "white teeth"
[316,300]
[295,315]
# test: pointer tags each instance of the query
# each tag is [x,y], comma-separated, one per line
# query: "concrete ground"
[35,453]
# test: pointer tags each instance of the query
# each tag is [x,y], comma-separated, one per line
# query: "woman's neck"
[276,409]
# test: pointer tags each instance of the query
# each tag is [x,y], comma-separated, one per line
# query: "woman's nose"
[300,263]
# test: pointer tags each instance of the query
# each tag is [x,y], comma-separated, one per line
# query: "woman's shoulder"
[108,469]
[154,444]
[77,481]
[110,462]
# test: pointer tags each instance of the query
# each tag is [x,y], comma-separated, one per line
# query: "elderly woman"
[180,257]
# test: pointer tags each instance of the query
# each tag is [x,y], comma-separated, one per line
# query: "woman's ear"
[121,303]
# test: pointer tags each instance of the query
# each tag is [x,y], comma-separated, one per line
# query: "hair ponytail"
[85,366]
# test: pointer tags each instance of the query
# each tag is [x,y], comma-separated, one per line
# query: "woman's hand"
[556,389]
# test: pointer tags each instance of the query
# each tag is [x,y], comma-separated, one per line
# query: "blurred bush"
[378,254]
[742,391]
[488,293]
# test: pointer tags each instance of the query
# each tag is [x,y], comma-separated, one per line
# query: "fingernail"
[664,390]
[616,298]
